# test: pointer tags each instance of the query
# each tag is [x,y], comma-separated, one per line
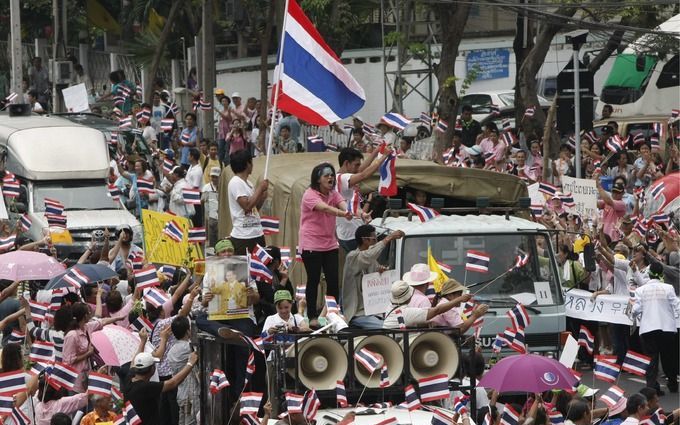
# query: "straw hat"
[401,292]
[450,286]
[420,274]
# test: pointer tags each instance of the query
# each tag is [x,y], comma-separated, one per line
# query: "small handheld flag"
[173,231]
[425,214]
[586,339]
[270,225]
[606,371]
[434,388]
[388,178]
[197,235]
[519,316]
[340,394]
[477,261]
[636,363]
[368,359]
[156,297]
[100,384]
[191,196]
[218,381]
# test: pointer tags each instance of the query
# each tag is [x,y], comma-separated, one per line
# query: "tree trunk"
[521,47]
[264,53]
[452,19]
[208,68]
[160,50]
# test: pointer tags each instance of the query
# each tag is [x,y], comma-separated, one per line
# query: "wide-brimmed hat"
[401,292]
[420,274]
[450,286]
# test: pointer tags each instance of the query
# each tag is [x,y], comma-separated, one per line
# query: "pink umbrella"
[29,265]
[116,345]
[528,373]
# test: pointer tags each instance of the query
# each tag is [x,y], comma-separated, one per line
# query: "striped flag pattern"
[477,261]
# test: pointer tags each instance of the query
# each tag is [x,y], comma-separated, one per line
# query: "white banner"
[584,192]
[376,291]
[537,197]
[75,98]
[605,308]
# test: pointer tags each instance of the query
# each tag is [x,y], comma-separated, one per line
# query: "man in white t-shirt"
[194,179]
[353,171]
[244,201]
[210,203]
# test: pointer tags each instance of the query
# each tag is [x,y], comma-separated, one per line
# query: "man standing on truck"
[352,171]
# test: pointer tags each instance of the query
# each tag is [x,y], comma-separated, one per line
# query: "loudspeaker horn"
[321,363]
[391,353]
[432,353]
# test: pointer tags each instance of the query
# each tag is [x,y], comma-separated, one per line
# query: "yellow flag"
[100,17]
[61,236]
[434,267]
[156,21]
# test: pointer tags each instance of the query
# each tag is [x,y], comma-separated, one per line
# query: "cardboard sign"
[584,192]
[375,288]
[160,249]
[75,98]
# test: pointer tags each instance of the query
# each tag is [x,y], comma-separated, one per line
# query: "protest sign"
[161,249]
[226,279]
[584,192]
[375,289]
[537,197]
[75,98]
[605,308]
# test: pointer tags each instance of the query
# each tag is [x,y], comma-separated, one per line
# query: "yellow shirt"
[93,418]
[206,170]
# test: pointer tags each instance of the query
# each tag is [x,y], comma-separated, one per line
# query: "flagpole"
[277,86]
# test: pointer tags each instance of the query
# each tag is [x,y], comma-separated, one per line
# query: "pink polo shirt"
[317,229]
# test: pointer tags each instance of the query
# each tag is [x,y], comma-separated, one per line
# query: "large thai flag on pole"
[313,83]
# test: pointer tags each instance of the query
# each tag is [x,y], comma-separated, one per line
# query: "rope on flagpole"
[277,88]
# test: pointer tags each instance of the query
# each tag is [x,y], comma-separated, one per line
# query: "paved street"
[631,383]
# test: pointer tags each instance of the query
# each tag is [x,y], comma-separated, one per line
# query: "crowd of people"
[160,381]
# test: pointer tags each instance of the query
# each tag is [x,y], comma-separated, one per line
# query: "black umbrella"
[93,272]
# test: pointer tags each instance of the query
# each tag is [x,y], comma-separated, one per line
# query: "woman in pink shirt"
[321,204]
[77,346]
[53,401]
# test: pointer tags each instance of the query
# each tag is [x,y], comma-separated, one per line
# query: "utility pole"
[208,66]
[15,33]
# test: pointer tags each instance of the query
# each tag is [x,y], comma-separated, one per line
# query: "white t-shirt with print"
[345,229]
[244,225]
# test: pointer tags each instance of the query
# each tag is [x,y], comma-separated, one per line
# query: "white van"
[502,237]
[55,158]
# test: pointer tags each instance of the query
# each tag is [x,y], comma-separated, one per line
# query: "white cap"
[474,150]
[235,94]
[215,171]
[143,361]
[357,117]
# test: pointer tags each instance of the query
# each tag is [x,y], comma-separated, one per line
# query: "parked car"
[637,124]
[506,113]
[481,102]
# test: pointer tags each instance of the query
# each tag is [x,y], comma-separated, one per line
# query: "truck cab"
[503,237]
[57,159]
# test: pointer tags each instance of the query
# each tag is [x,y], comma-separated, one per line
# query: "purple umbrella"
[29,265]
[528,373]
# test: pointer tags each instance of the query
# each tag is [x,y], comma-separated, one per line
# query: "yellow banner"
[159,248]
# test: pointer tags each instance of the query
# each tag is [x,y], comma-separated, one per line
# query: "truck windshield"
[73,195]
[502,250]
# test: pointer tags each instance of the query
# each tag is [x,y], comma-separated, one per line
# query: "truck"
[480,210]
[55,158]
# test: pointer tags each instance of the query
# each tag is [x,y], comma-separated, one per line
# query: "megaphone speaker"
[391,353]
[321,363]
[19,110]
[432,353]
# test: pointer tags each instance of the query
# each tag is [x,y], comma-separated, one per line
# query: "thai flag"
[173,109]
[368,359]
[118,100]
[173,231]
[156,297]
[612,396]
[131,417]
[521,260]
[63,376]
[395,120]
[369,129]
[388,176]
[98,383]
[515,339]
[196,235]
[381,405]
[331,148]
[495,110]
[444,267]
[76,278]
[145,186]
[448,156]
[440,418]
[125,122]
[412,401]
[537,211]
[168,165]
[606,371]
[657,418]
[636,363]
[262,254]
[638,139]
[205,106]
[591,136]
[460,404]
[38,310]
[259,271]
[384,376]
[53,206]
[294,402]
[300,291]
[315,139]
[660,218]
[430,293]
[555,417]
[529,112]
[10,97]
[640,228]
[425,118]
[313,84]
[194,104]
[146,277]
[340,394]
[167,124]
[270,225]
[442,126]
[11,188]
[38,368]
[675,113]
[218,381]
[114,192]
[657,190]
[143,116]
[400,318]
[17,337]
[477,261]
[354,204]
[116,394]
[506,125]
[311,405]
[139,91]
[510,416]
[136,260]
[586,339]
[392,420]
[424,213]
[331,304]
[615,144]
[41,351]
[547,188]
[140,323]
[568,200]
[19,417]
[25,222]
[6,404]
[508,138]
[7,243]
[434,388]
[55,220]
[124,90]
[285,255]
[519,316]
[191,196]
